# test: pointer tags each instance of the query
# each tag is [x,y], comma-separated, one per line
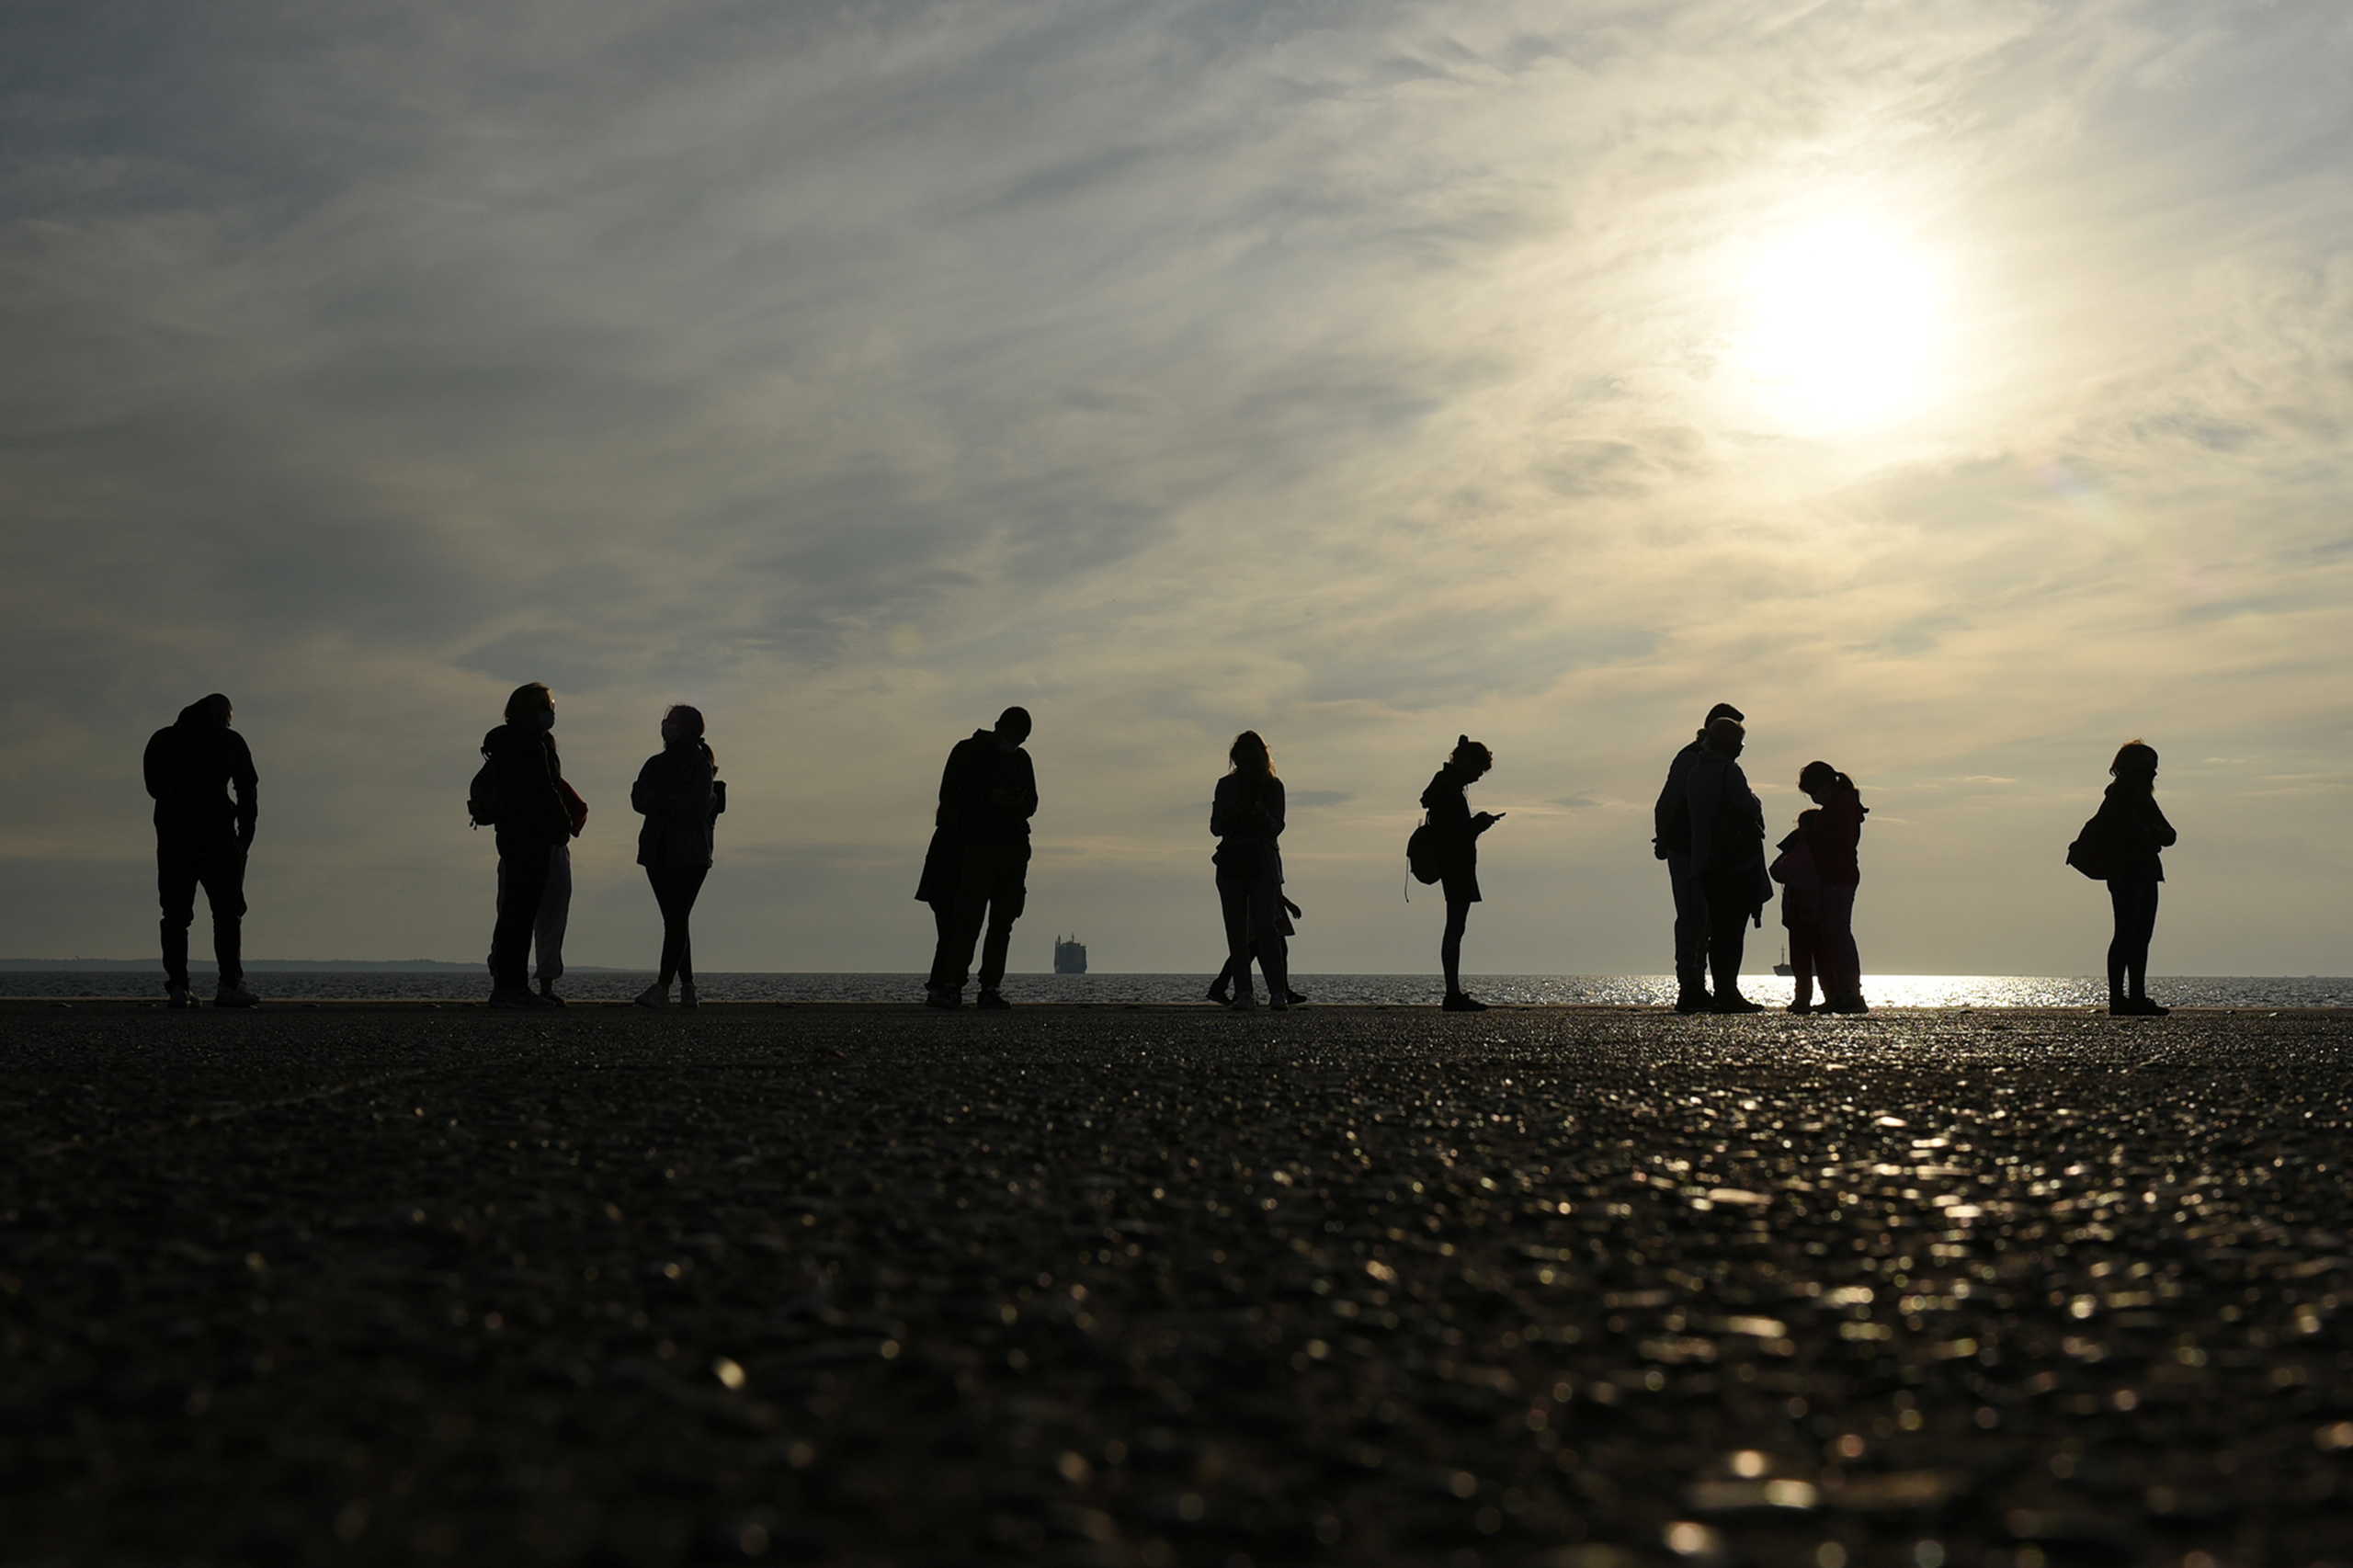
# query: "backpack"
[2090,852]
[482,797]
[1424,854]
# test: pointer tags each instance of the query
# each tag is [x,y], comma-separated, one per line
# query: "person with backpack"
[1818,902]
[1671,842]
[1451,834]
[1727,828]
[2130,832]
[977,869]
[1246,815]
[519,792]
[678,794]
[201,775]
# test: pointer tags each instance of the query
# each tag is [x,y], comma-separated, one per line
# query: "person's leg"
[686,887]
[1842,966]
[1802,962]
[1449,944]
[1009,894]
[1265,920]
[1690,927]
[1220,989]
[223,871]
[176,889]
[972,911]
[2144,930]
[1233,907]
[522,872]
[2119,904]
[554,916]
[666,885]
[943,948]
[1727,939]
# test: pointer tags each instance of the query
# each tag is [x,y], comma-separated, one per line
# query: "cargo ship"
[1069,956]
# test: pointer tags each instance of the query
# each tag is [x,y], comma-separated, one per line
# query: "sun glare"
[1845,328]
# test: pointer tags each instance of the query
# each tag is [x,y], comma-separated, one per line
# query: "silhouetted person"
[678,794]
[2132,833]
[1221,988]
[193,765]
[1820,912]
[1727,824]
[977,870]
[1671,824]
[526,808]
[555,901]
[1246,815]
[1456,832]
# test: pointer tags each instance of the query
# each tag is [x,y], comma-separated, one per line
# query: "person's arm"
[1221,815]
[151,764]
[961,787]
[2160,830]
[575,807]
[1028,786]
[645,795]
[1273,809]
[246,786]
[1703,792]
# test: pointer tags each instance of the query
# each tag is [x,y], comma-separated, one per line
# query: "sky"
[1960,387]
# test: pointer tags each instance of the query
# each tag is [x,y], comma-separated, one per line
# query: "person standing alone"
[1727,824]
[202,835]
[679,794]
[526,804]
[977,870]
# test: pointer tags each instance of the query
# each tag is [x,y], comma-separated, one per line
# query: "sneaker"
[514,998]
[1244,1002]
[687,997]
[1293,997]
[1694,1002]
[946,1001]
[175,998]
[1849,1006]
[234,996]
[1735,1003]
[991,1001]
[654,996]
[1802,1008]
[547,995]
[2136,1007]
[1220,994]
[1462,1002]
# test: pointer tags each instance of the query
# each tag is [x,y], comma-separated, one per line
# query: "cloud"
[1365,379]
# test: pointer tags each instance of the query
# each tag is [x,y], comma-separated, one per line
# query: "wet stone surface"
[1578,1289]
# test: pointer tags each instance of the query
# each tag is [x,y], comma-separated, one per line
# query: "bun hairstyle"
[2136,759]
[1468,751]
[1822,773]
[688,722]
[1248,753]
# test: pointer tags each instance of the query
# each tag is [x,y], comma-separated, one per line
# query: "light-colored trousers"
[555,913]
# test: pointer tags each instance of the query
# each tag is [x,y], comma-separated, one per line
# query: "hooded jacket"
[532,807]
[674,792]
[2136,830]
[192,766]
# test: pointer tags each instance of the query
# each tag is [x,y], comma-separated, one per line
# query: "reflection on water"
[1152,990]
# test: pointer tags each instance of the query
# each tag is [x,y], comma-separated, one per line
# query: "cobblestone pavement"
[1580,1289]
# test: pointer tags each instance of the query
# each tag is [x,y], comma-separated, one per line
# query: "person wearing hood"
[1671,842]
[1456,831]
[532,820]
[977,869]
[201,775]
[1727,826]
[1819,910]
[679,795]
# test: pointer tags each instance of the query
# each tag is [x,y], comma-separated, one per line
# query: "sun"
[1845,327]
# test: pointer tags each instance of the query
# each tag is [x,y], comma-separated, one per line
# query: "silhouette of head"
[1820,780]
[2136,761]
[531,702]
[1249,754]
[1724,710]
[1013,726]
[1725,737]
[1470,758]
[214,709]
[681,725]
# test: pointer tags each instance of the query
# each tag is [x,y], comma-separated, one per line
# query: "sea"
[463,983]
